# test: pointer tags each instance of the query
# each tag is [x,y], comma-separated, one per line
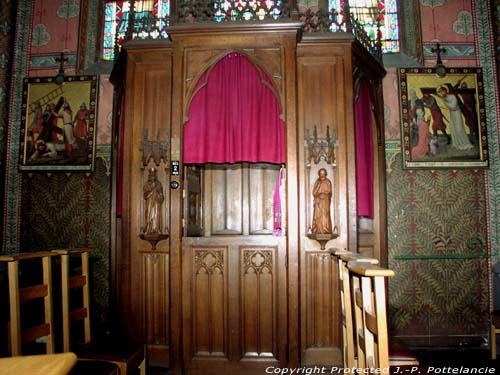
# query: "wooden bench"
[19,296]
[399,354]
[20,337]
[368,290]
[348,340]
[126,355]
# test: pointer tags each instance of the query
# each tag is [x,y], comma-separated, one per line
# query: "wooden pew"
[369,297]
[129,357]
[18,296]
[399,354]
[348,339]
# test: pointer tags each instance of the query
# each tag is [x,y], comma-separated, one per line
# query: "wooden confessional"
[216,292]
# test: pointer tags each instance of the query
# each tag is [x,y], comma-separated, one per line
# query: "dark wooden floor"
[435,361]
[468,358]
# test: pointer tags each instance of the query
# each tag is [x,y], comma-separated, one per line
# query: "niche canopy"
[234,116]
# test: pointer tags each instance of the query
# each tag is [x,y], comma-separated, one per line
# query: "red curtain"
[364,151]
[234,117]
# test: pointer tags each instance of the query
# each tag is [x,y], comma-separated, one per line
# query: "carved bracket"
[323,238]
[156,150]
[321,148]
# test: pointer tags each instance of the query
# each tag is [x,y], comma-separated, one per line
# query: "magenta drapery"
[234,117]
[364,151]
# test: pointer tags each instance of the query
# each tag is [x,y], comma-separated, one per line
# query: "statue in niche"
[322,193]
[153,195]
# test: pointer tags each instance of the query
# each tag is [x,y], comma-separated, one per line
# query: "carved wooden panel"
[155,296]
[327,114]
[143,281]
[322,301]
[262,182]
[210,302]
[193,201]
[259,302]
[224,199]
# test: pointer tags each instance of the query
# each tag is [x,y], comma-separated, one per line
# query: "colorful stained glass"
[150,21]
[369,13]
[246,10]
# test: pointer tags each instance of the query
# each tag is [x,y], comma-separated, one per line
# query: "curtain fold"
[234,117]
[364,151]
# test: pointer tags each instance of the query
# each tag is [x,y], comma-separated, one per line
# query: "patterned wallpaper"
[7,28]
[70,210]
[438,219]
[437,242]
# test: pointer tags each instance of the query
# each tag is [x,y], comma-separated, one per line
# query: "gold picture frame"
[443,121]
[58,130]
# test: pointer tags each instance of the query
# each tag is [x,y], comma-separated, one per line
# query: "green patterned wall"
[437,242]
[442,224]
[70,210]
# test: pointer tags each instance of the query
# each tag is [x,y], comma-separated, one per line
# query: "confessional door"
[234,270]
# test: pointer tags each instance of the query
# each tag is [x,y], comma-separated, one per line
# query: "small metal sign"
[175,168]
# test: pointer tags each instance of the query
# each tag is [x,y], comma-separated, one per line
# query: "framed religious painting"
[58,129]
[443,121]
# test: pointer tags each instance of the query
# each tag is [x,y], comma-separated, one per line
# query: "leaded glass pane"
[226,10]
[367,12]
[150,22]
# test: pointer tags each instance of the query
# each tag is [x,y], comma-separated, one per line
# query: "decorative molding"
[104,152]
[49,61]
[258,261]
[453,51]
[13,178]
[321,148]
[485,46]
[209,261]
[156,150]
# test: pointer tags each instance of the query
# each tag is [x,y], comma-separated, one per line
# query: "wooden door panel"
[235,302]
[259,301]
[210,301]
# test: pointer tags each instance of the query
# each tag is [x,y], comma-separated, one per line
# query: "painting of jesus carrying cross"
[443,121]
[58,124]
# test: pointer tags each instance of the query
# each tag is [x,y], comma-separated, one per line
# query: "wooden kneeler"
[128,356]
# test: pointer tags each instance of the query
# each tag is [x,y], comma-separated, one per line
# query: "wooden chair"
[368,290]
[17,296]
[348,340]
[128,356]
[494,329]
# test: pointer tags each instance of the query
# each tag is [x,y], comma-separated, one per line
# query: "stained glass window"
[246,10]
[368,12]
[150,20]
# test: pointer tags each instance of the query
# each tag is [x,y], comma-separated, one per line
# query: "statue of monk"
[153,195]
[322,193]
